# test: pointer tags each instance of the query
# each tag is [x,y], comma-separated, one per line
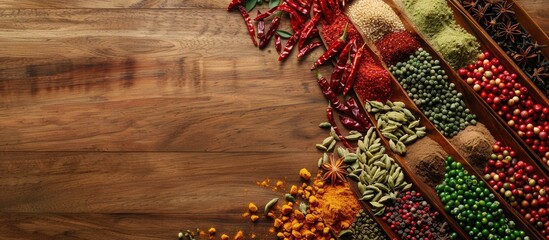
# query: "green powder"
[435,20]
[456,46]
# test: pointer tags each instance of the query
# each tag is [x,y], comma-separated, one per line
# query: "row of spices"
[338,44]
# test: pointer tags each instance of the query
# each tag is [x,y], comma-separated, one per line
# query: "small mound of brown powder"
[475,144]
[426,158]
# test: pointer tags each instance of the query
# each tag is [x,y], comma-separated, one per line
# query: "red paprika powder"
[373,83]
[397,46]
[331,32]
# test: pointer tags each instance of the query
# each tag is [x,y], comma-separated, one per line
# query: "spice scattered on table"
[318,211]
[474,143]
[520,184]
[510,100]
[435,19]
[396,123]
[473,205]
[374,17]
[427,84]
[426,159]
[499,20]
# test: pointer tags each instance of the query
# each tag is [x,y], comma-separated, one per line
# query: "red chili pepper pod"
[260,28]
[307,29]
[346,72]
[333,49]
[272,30]
[316,7]
[326,11]
[331,120]
[352,124]
[358,113]
[249,24]
[308,49]
[234,3]
[289,46]
[350,81]
[266,14]
[297,7]
[278,43]
[331,96]
[335,78]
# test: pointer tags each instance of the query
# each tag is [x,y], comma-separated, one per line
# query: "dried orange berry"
[305,174]
[252,207]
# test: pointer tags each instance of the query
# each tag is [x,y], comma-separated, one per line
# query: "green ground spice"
[436,21]
[456,46]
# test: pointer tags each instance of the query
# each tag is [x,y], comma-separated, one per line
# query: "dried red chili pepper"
[339,69]
[352,124]
[297,7]
[331,96]
[272,30]
[278,43]
[358,114]
[307,29]
[308,48]
[346,72]
[331,120]
[333,49]
[350,81]
[289,46]
[266,14]
[260,28]
[249,24]
[326,11]
[234,3]
[316,7]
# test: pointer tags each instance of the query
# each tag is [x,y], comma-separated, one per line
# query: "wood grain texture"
[132,119]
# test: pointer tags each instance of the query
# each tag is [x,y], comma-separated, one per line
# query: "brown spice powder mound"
[475,144]
[426,158]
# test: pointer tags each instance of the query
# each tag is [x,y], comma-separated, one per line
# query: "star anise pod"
[539,74]
[334,171]
[468,4]
[479,12]
[491,25]
[504,10]
[508,30]
[524,54]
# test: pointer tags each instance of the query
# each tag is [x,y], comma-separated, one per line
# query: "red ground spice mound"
[373,83]
[397,46]
[331,32]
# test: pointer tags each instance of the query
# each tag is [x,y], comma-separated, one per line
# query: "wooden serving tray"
[399,94]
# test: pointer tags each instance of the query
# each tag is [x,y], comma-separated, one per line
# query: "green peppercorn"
[474,206]
[447,113]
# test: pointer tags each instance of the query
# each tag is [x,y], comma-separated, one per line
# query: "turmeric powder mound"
[339,205]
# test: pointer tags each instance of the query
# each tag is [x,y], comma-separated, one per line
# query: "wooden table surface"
[128,119]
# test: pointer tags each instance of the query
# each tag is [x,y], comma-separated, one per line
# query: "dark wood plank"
[156,183]
[537,9]
[130,226]
[164,80]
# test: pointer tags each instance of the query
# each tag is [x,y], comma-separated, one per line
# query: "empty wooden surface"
[133,119]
